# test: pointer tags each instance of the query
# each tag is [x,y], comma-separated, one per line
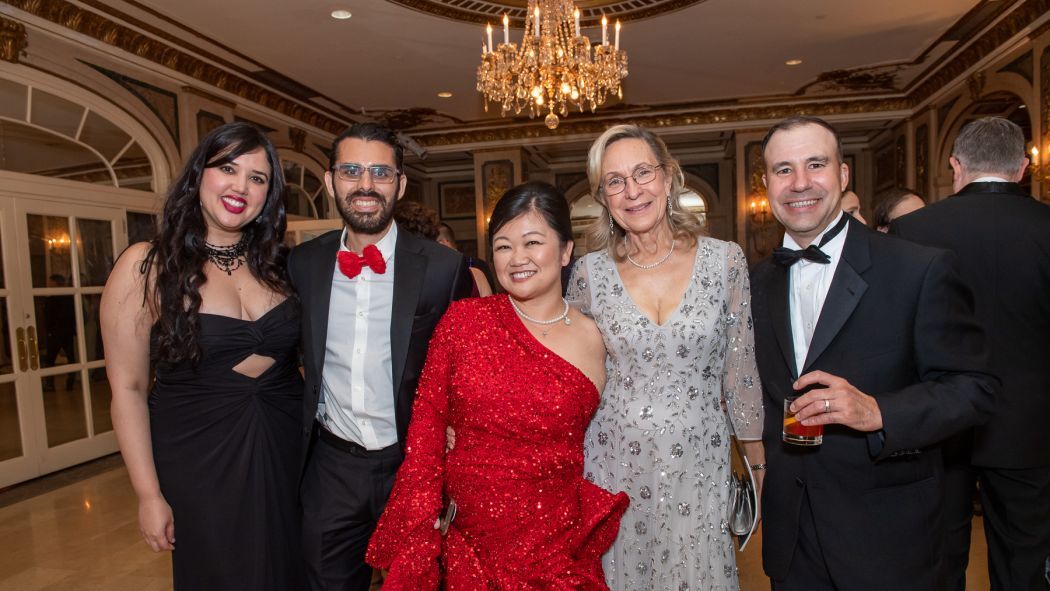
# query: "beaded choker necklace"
[228,258]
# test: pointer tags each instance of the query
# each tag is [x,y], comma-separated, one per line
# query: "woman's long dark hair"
[177,257]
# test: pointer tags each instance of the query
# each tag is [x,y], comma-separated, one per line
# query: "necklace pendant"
[568,321]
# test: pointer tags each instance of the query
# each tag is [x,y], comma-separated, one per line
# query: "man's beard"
[371,223]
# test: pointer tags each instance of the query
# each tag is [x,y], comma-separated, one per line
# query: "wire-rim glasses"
[380,173]
[643,175]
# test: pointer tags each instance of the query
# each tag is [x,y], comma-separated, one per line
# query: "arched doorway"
[77,176]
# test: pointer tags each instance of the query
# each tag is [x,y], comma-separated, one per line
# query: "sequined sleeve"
[405,541]
[741,387]
[578,292]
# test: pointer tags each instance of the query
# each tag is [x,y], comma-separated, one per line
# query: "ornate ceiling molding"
[1003,31]
[98,27]
[13,40]
[591,11]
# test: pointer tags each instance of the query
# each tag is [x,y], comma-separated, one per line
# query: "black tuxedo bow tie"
[790,256]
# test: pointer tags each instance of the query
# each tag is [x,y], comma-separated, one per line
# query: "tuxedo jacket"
[427,277]
[897,324]
[1001,237]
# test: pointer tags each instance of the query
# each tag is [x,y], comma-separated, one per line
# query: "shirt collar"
[385,244]
[990,179]
[834,244]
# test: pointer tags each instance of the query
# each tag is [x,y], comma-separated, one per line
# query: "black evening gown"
[226,447]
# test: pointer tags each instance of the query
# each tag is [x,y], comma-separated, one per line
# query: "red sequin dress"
[526,517]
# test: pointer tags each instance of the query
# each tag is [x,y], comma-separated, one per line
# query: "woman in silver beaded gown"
[673,309]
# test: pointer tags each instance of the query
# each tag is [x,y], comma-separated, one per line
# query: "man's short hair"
[990,144]
[370,132]
[798,121]
[885,203]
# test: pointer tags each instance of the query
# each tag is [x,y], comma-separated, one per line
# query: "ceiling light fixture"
[554,67]
[445,94]
[341,14]
[792,62]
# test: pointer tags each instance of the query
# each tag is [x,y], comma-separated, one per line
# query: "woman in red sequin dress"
[516,376]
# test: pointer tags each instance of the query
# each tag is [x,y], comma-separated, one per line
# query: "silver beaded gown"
[660,433]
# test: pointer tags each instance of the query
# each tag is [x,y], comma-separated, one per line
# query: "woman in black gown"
[212,448]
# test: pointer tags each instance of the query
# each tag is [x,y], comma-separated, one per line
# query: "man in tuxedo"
[877,338]
[1001,237]
[371,297]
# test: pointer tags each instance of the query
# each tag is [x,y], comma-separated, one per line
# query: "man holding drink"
[877,340]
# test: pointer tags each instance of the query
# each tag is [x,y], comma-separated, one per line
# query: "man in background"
[1002,238]
[851,205]
[893,204]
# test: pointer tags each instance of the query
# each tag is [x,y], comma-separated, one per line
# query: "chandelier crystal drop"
[554,68]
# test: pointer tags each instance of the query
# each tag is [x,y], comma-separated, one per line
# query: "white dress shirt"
[357,390]
[808,288]
[990,179]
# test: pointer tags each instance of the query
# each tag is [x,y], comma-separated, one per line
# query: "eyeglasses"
[381,174]
[643,175]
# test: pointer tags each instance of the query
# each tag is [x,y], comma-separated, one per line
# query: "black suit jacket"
[897,323]
[427,277]
[1001,237]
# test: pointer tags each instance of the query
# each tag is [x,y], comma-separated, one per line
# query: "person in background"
[478,268]
[851,205]
[894,203]
[1001,236]
[212,444]
[416,218]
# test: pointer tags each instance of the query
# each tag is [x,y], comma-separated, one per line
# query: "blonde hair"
[683,225]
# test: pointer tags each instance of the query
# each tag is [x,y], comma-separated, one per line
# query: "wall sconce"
[1040,171]
[759,209]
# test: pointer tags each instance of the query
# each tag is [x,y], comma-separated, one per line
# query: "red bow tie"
[351,263]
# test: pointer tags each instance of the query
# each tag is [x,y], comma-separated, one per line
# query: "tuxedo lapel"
[780,316]
[321,297]
[847,288]
[410,265]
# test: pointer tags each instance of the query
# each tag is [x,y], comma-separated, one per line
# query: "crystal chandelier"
[555,67]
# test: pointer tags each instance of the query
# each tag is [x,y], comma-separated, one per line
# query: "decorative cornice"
[596,125]
[88,23]
[13,40]
[1010,26]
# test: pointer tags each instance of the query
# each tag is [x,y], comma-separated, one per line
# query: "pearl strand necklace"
[651,265]
[564,316]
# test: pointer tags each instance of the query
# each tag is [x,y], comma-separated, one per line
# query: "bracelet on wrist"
[758,466]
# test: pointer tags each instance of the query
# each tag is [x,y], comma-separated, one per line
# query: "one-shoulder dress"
[526,519]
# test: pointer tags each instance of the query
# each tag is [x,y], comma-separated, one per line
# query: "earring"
[669,210]
[611,226]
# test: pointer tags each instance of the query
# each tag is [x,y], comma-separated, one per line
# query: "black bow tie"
[790,256]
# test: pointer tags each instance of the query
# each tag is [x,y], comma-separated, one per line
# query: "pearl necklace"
[651,265]
[564,316]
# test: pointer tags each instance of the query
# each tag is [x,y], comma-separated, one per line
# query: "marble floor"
[77,531]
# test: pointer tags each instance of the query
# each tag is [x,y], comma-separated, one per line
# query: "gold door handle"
[34,358]
[23,354]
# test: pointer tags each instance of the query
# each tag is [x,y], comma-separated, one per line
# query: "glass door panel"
[69,250]
[10,426]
